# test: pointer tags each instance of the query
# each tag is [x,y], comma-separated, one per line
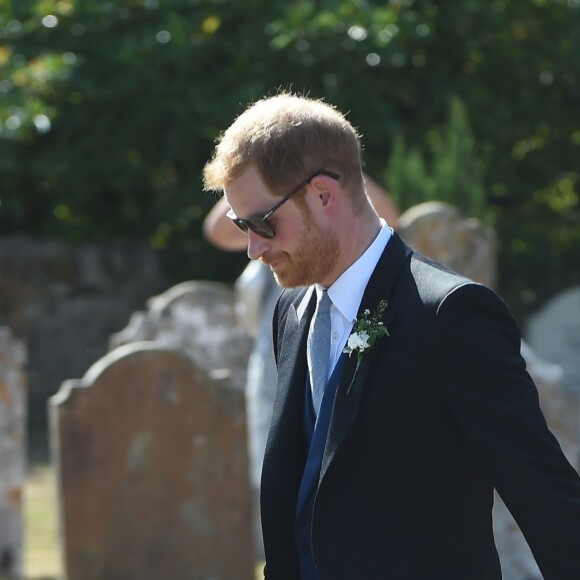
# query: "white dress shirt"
[347,291]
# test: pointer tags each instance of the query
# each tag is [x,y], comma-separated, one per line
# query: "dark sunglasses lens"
[241,224]
[260,227]
[257,225]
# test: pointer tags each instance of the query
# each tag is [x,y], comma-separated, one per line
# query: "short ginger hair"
[287,137]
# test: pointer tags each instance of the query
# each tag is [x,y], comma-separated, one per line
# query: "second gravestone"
[554,332]
[152,468]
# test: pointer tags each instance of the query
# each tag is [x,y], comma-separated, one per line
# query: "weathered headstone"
[12,452]
[439,230]
[554,332]
[152,470]
[206,320]
[198,317]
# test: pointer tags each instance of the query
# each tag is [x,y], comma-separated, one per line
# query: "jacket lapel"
[286,434]
[292,360]
[347,401]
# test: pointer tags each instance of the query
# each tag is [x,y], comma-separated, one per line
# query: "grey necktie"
[318,349]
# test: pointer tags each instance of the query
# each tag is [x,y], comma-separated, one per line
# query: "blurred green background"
[110,108]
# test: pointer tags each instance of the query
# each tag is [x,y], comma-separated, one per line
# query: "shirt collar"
[347,291]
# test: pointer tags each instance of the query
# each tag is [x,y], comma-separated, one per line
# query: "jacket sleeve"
[483,378]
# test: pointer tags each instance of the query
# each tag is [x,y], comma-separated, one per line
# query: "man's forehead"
[247,194]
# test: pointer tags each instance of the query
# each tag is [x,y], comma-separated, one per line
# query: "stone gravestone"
[206,320]
[554,332]
[229,333]
[152,471]
[12,452]
[198,317]
[439,231]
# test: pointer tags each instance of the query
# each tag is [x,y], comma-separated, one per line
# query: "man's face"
[303,251]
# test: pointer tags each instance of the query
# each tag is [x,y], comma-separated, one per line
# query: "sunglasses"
[259,224]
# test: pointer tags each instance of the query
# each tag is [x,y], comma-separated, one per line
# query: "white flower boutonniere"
[366,331]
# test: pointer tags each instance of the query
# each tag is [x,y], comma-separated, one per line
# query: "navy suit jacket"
[439,413]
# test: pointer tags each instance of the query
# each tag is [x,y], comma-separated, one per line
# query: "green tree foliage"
[110,107]
[449,171]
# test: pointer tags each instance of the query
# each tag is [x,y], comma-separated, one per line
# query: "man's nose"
[257,245]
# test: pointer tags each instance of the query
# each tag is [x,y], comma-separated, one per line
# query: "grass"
[41,550]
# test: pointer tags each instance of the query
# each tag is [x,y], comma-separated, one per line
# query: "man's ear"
[325,188]
[324,196]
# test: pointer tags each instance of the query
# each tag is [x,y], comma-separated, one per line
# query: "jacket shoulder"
[439,288]
[433,280]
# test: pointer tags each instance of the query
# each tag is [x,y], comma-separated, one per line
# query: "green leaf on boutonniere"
[366,331]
